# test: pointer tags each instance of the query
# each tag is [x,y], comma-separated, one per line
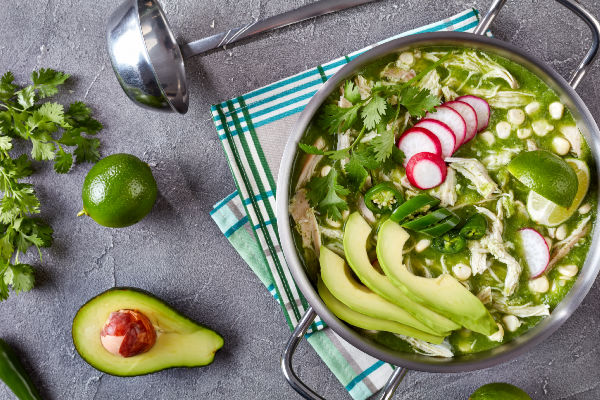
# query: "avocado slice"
[444,294]
[180,342]
[356,233]
[363,321]
[337,277]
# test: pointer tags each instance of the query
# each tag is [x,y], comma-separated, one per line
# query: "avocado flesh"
[180,342]
[444,294]
[356,233]
[363,321]
[338,279]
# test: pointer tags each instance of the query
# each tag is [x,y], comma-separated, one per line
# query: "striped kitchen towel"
[253,129]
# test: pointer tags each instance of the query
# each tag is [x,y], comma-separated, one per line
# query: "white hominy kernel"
[541,127]
[325,170]
[532,108]
[568,271]
[515,116]
[499,335]
[487,137]
[503,129]
[461,271]
[556,110]
[531,145]
[407,58]
[511,322]
[539,285]
[551,232]
[584,209]
[523,133]
[561,146]
[422,245]
[345,214]
[548,242]
[561,232]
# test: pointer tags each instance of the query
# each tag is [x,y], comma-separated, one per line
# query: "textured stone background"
[178,253]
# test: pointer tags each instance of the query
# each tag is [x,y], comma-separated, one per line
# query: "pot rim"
[500,354]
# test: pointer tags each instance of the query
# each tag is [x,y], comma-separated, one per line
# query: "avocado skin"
[126,289]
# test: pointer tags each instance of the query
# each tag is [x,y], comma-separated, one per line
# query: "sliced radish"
[443,133]
[416,140]
[469,115]
[454,121]
[537,253]
[426,170]
[481,107]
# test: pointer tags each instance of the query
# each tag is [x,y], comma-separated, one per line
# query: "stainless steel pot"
[404,361]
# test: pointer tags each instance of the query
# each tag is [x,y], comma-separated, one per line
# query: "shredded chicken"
[503,98]
[485,295]
[429,349]
[448,93]
[482,64]
[494,243]
[562,248]
[310,163]
[446,192]
[431,81]
[336,234]
[497,336]
[343,142]
[497,160]
[522,311]
[306,221]
[364,87]
[474,171]
[397,74]
[478,257]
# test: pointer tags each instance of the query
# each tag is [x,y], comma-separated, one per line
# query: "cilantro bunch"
[52,132]
[371,114]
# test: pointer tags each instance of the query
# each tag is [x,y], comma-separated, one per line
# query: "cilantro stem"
[357,140]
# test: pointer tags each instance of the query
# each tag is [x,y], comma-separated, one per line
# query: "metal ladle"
[148,61]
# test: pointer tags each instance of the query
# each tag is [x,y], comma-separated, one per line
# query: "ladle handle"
[576,8]
[287,18]
[296,383]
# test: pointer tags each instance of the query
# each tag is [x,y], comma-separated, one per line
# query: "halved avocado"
[443,294]
[337,277]
[180,342]
[356,233]
[363,321]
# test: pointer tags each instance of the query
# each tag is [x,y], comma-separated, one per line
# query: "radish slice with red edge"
[537,253]
[443,133]
[454,121]
[482,109]
[416,140]
[426,170]
[469,115]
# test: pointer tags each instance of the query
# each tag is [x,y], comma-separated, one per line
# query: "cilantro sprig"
[63,136]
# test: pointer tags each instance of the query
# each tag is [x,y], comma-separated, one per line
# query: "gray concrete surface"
[178,253]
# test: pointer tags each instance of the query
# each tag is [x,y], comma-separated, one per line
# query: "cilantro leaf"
[26,97]
[417,101]
[63,161]
[53,112]
[334,119]
[351,92]
[310,149]
[7,87]
[324,194]
[372,111]
[87,150]
[356,172]
[382,145]
[47,80]
[20,277]
[42,150]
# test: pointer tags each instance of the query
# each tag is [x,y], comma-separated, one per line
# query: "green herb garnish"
[52,131]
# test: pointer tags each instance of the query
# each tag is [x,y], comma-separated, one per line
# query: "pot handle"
[576,8]
[286,364]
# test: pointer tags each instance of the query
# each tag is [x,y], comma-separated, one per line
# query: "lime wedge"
[546,174]
[548,213]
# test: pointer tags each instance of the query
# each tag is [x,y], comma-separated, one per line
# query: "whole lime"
[499,391]
[118,191]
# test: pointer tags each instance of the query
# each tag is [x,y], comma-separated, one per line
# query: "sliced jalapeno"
[14,375]
[383,198]
[449,243]
[411,207]
[474,228]
[442,227]
[428,220]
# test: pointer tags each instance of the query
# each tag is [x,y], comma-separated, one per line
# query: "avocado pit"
[127,333]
